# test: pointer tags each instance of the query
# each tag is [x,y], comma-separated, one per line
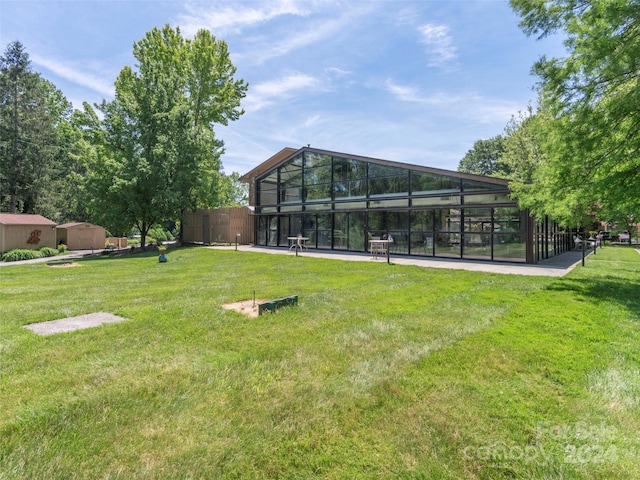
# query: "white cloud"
[75,75]
[267,93]
[440,48]
[236,15]
[337,72]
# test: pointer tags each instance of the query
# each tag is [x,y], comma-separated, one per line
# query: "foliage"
[48,251]
[233,192]
[593,98]
[20,254]
[485,158]
[62,248]
[160,234]
[30,110]
[157,153]
[438,374]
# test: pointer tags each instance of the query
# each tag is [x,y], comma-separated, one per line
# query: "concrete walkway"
[68,256]
[553,267]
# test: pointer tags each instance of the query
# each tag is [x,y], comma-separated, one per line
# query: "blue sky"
[411,81]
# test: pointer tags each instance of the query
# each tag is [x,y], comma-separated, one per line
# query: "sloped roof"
[268,164]
[24,219]
[76,224]
[287,153]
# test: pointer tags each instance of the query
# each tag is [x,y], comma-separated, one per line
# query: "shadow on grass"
[625,292]
[128,254]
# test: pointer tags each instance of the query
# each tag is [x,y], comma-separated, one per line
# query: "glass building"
[341,201]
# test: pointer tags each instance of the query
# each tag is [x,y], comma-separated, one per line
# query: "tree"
[485,158]
[234,193]
[593,97]
[30,109]
[158,153]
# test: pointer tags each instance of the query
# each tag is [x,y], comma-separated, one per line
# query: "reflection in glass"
[430,183]
[509,247]
[477,246]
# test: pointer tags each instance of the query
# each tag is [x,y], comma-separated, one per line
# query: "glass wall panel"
[270,182]
[477,220]
[477,246]
[272,231]
[448,220]
[377,170]
[510,247]
[422,220]
[318,192]
[487,198]
[350,188]
[324,230]
[426,183]
[283,232]
[340,229]
[447,245]
[291,195]
[312,159]
[291,208]
[421,243]
[357,226]
[471,185]
[388,186]
[509,219]
[317,175]
[308,229]
[347,169]
[268,197]
[317,206]
[263,230]
[295,225]
[350,205]
[400,243]
[377,223]
[434,201]
[291,178]
[398,221]
[421,239]
[389,203]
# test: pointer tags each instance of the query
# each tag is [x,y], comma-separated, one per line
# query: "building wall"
[31,237]
[218,225]
[341,202]
[84,236]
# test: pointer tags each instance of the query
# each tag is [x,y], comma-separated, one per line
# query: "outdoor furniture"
[378,247]
[297,242]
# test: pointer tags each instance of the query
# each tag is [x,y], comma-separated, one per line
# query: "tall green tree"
[158,154]
[485,158]
[593,96]
[30,110]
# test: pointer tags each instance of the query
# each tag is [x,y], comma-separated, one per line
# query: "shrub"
[48,252]
[62,248]
[21,254]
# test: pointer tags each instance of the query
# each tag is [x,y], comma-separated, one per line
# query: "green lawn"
[381,371]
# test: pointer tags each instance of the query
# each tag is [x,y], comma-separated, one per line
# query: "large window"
[431,184]
[388,181]
[339,203]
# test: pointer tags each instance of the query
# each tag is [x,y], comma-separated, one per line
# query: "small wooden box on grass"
[273,305]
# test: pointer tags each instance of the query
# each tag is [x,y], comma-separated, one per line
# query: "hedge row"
[25,254]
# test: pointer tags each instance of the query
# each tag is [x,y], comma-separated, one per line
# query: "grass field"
[381,371]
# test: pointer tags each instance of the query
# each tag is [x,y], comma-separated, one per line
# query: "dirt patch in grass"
[246,307]
[63,265]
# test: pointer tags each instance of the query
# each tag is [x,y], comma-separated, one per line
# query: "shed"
[22,230]
[81,236]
